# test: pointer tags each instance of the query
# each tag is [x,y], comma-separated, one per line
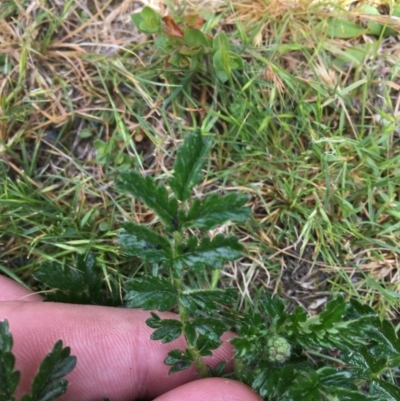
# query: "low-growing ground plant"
[186,48]
[344,353]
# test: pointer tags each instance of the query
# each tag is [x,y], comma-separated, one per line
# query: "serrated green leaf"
[343,384]
[220,369]
[209,327]
[144,243]
[386,342]
[346,394]
[274,382]
[355,358]
[206,344]
[306,387]
[152,195]
[188,164]
[82,284]
[334,312]
[375,365]
[385,391]
[216,210]
[273,306]
[167,329]
[190,333]
[47,384]
[150,293]
[207,300]
[9,378]
[212,253]
[53,275]
[179,360]
[355,310]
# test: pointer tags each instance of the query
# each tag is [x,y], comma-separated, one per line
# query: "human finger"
[211,389]
[12,291]
[116,357]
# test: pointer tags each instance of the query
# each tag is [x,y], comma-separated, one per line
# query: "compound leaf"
[9,378]
[167,329]
[216,210]
[47,384]
[207,300]
[211,253]
[143,242]
[188,164]
[152,195]
[273,306]
[150,293]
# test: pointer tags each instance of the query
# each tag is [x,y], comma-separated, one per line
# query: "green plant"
[186,48]
[344,353]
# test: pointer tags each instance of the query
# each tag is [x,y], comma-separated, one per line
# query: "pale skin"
[116,358]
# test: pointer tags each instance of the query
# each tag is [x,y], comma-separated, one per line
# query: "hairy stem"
[183,314]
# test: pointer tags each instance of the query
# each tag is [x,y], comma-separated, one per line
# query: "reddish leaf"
[172,28]
[194,21]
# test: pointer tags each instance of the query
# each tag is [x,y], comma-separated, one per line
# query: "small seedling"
[187,47]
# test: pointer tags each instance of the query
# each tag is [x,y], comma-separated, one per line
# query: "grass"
[308,130]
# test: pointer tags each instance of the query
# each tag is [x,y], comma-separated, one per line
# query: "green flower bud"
[278,349]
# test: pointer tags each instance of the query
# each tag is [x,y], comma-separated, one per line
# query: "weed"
[187,48]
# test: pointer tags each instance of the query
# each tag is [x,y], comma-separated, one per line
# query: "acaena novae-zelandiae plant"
[179,253]
[344,353]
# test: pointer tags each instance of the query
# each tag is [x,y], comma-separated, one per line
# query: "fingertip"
[12,291]
[211,389]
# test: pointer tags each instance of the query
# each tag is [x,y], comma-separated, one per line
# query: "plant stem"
[183,314]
